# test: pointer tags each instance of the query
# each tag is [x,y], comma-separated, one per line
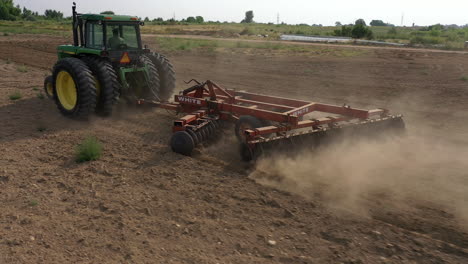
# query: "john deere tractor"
[106,62]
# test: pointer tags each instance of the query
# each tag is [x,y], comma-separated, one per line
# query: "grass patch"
[6,34]
[61,28]
[464,78]
[35,89]
[40,96]
[17,95]
[22,68]
[33,203]
[90,149]
[447,38]
[8,61]
[213,45]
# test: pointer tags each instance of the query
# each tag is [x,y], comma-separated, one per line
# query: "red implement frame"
[209,101]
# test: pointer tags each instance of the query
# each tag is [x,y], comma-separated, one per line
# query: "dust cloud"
[361,175]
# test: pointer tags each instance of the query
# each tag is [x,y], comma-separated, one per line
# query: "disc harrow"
[264,123]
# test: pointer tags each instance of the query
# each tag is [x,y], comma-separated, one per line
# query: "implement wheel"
[182,143]
[107,84]
[166,75]
[75,88]
[244,123]
[49,87]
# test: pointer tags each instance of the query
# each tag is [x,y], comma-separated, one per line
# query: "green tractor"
[106,62]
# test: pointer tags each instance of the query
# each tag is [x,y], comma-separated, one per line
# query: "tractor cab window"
[94,36]
[122,36]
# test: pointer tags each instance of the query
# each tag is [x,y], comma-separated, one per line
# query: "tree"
[249,15]
[356,31]
[191,19]
[360,22]
[108,13]
[53,14]
[8,11]
[361,31]
[345,31]
[377,23]
[199,19]
[338,23]
[436,27]
[147,19]
[28,15]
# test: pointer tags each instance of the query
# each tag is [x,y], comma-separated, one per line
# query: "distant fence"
[325,39]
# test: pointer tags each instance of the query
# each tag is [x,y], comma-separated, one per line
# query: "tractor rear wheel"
[75,88]
[107,84]
[49,87]
[153,91]
[166,75]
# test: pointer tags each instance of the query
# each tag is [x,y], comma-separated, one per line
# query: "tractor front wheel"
[75,88]
[49,87]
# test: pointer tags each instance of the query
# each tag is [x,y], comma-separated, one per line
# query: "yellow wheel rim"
[50,89]
[66,90]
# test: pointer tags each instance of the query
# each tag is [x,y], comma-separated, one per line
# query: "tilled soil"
[142,203]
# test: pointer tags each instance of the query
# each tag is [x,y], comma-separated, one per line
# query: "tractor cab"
[110,32]
[114,36]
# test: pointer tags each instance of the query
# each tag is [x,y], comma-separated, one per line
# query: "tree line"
[8,11]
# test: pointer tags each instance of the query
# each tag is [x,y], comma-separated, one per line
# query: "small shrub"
[22,68]
[41,128]
[6,34]
[35,89]
[15,96]
[33,203]
[246,31]
[425,40]
[8,61]
[40,96]
[300,32]
[90,149]
[464,78]
[392,32]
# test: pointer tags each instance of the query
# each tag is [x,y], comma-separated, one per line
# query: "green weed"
[22,68]
[15,96]
[41,128]
[40,96]
[90,149]
[33,203]
[464,78]
[35,89]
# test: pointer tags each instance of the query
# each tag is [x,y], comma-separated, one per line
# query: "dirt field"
[401,201]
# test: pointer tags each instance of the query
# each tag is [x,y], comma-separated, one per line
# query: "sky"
[325,12]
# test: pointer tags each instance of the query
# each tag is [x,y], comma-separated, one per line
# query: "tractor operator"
[115,41]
